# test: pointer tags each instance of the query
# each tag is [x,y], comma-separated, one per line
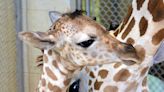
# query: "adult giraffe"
[143,27]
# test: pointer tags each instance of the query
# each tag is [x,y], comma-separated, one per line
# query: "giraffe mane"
[74,14]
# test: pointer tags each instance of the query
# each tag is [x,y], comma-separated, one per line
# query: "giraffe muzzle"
[128,54]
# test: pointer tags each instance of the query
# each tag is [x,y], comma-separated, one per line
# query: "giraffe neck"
[118,78]
[56,75]
[143,25]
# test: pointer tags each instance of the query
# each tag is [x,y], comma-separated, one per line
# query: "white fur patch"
[79,37]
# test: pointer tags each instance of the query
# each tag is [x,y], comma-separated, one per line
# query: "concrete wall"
[8,81]
[35,18]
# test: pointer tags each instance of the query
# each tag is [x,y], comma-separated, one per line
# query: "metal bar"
[88,7]
[19,47]
[78,4]
[93,8]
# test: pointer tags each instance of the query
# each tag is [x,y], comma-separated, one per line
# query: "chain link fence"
[112,11]
[158,70]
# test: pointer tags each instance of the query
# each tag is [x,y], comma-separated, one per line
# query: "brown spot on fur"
[118,64]
[130,10]
[90,82]
[43,82]
[143,26]
[110,89]
[144,70]
[131,87]
[66,82]
[144,82]
[145,90]
[87,70]
[50,73]
[54,88]
[103,73]
[128,29]
[158,37]
[39,61]
[50,86]
[39,58]
[122,75]
[85,53]
[106,42]
[156,8]
[130,41]
[91,74]
[45,59]
[139,4]
[114,46]
[116,33]
[54,62]
[140,52]
[97,85]
[90,90]
[50,52]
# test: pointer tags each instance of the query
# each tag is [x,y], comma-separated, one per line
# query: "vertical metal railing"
[19,47]
[79,6]
[93,7]
[88,7]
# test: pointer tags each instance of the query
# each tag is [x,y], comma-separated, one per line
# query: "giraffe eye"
[75,86]
[86,43]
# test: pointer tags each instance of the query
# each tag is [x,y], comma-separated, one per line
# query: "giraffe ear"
[54,16]
[39,40]
[159,56]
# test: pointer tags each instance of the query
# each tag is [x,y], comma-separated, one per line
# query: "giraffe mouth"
[129,62]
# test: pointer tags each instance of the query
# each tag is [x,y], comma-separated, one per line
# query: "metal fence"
[158,70]
[112,11]
[105,11]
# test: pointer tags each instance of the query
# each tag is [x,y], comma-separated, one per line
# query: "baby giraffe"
[72,42]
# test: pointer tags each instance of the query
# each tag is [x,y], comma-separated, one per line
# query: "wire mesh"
[158,70]
[111,11]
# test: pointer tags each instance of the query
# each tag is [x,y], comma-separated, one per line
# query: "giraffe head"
[81,41]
